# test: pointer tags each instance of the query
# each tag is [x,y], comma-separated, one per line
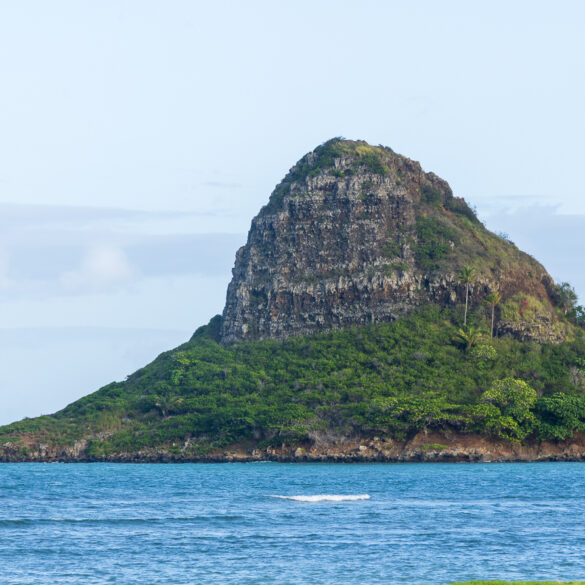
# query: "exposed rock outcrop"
[357,234]
[423,447]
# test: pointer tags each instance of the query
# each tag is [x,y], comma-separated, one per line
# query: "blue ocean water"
[190,524]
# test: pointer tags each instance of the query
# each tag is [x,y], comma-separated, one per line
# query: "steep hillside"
[357,234]
[371,316]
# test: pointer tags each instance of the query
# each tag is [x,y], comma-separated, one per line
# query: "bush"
[560,415]
[430,195]
[433,242]
[458,205]
[511,416]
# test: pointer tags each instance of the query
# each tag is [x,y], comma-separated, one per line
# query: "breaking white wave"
[326,498]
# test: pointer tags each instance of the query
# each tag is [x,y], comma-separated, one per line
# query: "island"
[371,317]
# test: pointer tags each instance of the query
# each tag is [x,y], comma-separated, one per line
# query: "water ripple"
[290,524]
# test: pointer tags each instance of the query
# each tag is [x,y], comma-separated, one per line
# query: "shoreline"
[422,448]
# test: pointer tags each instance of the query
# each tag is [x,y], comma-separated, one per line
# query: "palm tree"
[492,300]
[466,276]
[166,403]
[467,337]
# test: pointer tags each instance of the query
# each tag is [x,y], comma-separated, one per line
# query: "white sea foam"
[325,498]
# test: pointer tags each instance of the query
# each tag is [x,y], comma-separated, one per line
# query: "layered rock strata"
[357,234]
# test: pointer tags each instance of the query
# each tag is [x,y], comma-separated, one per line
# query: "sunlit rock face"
[357,234]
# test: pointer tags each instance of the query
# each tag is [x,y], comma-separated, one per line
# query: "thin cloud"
[23,226]
[102,267]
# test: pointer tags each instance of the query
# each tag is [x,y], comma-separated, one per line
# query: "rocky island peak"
[357,234]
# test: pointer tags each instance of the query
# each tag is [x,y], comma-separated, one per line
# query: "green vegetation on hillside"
[372,158]
[433,242]
[391,379]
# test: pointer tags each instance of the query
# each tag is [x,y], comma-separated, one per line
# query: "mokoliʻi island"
[371,317]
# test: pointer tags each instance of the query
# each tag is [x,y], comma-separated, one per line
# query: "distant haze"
[138,139]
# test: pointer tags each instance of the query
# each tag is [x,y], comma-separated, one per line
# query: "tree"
[566,296]
[579,315]
[492,300]
[466,276]
[467,337]
[483,353]
[514,400]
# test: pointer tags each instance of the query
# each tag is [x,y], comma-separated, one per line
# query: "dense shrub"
[389,379]
[433,241]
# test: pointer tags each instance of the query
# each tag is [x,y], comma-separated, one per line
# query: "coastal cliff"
[357,234]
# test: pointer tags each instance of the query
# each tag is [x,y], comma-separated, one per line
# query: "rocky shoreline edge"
[422,448]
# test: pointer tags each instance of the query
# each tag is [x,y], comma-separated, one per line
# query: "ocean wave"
[10,522]
[325,498]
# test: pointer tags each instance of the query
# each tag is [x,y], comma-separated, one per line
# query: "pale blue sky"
[138,139]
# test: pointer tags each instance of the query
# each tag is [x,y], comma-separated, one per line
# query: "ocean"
[262,523]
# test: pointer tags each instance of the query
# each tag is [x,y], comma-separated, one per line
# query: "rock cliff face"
[357,234]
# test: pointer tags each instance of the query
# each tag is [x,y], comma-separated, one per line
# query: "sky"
[138,139]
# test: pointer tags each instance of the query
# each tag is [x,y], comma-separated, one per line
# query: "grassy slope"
[386,379]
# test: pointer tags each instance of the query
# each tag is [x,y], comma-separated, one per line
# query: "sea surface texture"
[290,523]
